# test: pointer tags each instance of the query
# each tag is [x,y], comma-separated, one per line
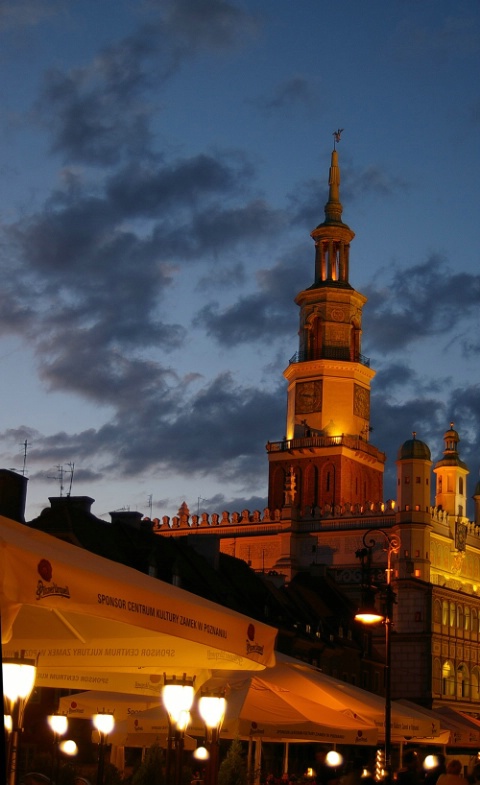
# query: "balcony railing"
[331,353]
[343,440]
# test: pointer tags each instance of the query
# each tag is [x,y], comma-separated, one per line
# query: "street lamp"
[177,698]
[104,723]
[389,543]
[18,681]
[212,710]
[59,725]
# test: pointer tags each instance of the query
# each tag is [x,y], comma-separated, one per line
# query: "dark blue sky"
[163,164]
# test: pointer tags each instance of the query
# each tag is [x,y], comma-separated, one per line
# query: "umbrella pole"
[258,761]
[285,758]
[250,767]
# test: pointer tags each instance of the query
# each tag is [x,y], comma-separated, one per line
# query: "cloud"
[295,92]
[27,13]
[263,316]
[222,428]
[422,300]
[209,24]
[98,114]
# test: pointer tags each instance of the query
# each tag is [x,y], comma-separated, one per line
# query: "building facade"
[325,495]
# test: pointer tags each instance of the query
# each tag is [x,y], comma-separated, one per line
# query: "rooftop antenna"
[59,477]
[72,469]
[150,503]
[200,499]
[24,469]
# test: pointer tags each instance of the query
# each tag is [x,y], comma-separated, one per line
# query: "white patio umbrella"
[86,704]
[254,709]
[307,681]
[80,613]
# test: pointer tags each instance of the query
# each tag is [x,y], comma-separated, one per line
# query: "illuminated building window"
[448,679]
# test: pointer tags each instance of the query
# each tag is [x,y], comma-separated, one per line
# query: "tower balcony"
[302,443]
[331,353]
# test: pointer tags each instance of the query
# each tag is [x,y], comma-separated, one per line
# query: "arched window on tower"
[448,679]
[475,684]
[439,484]
[445,613]
[452,615]
[310,489]
[463,681]
[460,485]
[474,622]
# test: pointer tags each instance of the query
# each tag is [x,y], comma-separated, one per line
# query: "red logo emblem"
[251,632]
[44,569]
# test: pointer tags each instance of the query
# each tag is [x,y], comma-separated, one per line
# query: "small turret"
[413,475]
[451,471]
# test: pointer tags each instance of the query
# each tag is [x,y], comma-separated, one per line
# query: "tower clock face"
[308,397]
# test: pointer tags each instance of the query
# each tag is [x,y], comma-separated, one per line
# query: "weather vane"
[336,136]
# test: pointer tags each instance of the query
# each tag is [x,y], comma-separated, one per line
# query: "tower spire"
[332,237]
[333,208]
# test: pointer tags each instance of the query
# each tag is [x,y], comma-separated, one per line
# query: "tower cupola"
[332,237]
[413,476]
[451,471]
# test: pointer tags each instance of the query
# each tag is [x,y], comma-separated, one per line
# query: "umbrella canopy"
[254,709]
[86,704]
[309,682]
[78,612]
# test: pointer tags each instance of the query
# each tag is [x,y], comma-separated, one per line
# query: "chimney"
[13,495]
[127,517]
[83,503]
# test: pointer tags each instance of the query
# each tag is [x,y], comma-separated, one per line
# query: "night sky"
[162,166]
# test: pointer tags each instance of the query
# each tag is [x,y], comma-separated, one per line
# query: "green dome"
[414,448]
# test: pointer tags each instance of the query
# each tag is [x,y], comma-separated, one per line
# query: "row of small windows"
[452,614]
[418,480]
[456,682]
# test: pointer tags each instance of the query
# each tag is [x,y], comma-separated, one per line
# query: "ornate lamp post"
[177,698]
[18,682]
[389,543]
[104,723]
[212,710]
[59,725]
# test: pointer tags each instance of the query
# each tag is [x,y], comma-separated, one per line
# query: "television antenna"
[60,476]
[23,471]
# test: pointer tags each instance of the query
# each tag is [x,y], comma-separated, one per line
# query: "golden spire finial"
[333,208]
[336,136]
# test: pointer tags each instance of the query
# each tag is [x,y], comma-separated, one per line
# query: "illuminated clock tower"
[328,410]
